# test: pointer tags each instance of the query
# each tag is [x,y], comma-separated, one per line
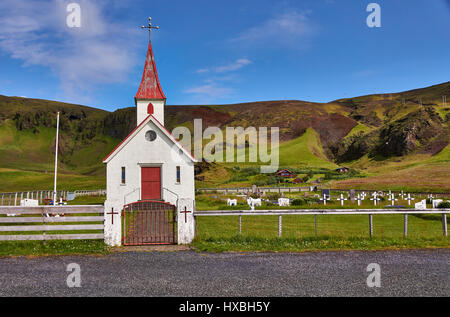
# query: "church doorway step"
[148,222]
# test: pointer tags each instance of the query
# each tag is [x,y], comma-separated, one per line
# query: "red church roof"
[150,87]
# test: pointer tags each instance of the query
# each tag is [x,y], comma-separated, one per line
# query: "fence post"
[315,225]
[44,223]
[405,225]
[279,225]
[240,224]
[15,199]
[444,224]
[371,225]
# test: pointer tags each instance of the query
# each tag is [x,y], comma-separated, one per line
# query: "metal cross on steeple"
[150,27]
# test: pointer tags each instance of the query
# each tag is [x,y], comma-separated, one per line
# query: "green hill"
[380,135]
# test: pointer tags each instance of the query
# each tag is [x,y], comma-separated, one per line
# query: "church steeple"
[150,91]
[150,87]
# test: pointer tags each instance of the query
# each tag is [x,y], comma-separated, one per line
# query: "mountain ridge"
[358,131]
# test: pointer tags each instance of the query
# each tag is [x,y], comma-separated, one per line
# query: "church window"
[150,135]
[123,175]
[150,109]
[178,174]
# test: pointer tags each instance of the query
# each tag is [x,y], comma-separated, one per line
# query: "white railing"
[37,221]
[316,212]
[43,196]
[93,192]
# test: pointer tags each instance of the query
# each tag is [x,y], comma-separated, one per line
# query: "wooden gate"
[148,222]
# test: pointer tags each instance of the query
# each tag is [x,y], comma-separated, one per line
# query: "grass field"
[62,247]
[322,243]
[19,180]
[27,160]
[260,233]
[334,232]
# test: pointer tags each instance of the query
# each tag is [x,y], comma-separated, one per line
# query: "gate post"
[113,223]
[186,220]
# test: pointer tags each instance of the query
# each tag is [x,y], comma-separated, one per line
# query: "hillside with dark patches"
[344,131]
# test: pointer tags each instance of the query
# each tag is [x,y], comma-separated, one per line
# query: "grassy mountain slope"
[387,136]
[305,151]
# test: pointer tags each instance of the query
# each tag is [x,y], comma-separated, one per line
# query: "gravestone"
[326,192]
[436,202]
[421,205]
[352,195]
[70,196]
[29,202]
[342,199]
[283,202]
[253,202]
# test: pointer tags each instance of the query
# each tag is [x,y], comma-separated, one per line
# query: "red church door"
[150,183]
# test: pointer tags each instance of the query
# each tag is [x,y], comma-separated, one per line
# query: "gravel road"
[189,273]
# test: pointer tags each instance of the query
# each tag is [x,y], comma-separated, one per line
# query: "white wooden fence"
[14,198]
[40,220]
[94,192]
[245,190]
[316,212]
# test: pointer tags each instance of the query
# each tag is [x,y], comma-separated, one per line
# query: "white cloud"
[100,52]
[212,91]
[238,64]
[292,29]
[233,66]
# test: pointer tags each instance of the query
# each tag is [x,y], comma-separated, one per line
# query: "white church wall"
[140,152]
[186,221]
[158,110]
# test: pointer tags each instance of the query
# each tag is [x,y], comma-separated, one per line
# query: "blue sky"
[216,52]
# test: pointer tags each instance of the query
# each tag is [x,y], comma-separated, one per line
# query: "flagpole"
[56,158]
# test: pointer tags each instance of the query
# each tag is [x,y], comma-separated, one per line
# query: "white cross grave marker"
[375,198]
[342,199]
[324,198]
[392,199]
[359,199]
[409,198]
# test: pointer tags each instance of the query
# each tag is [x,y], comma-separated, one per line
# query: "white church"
[149,164]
